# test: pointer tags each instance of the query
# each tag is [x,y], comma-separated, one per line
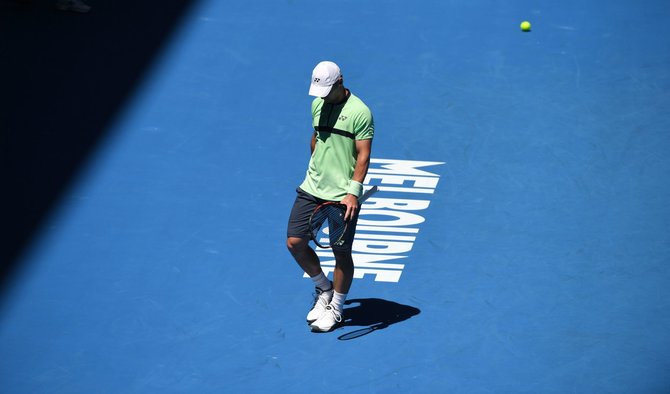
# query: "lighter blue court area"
[536,258]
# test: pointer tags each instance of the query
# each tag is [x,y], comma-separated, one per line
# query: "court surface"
[535,258]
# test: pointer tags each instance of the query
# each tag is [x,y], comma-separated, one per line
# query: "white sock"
[338,301]
[321,281]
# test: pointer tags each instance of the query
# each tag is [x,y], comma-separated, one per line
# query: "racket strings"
[318,218]
[334,215]
[336,226]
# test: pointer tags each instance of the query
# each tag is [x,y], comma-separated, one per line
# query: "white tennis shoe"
[328,320]
[321,300]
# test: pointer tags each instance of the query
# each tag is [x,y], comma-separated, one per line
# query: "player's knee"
[343,258]
[295,245]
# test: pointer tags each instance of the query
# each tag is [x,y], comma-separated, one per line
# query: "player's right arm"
[313,143]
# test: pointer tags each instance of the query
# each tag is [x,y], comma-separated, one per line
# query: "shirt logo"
[342,118]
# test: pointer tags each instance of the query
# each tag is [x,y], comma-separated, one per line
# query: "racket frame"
[314,237]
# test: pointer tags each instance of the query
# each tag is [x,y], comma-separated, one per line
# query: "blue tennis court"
[531,255]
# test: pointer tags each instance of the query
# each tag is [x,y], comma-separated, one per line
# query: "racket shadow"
[373,314]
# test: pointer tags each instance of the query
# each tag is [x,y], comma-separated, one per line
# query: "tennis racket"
[333,213]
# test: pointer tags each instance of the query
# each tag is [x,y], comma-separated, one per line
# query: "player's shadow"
[373,314]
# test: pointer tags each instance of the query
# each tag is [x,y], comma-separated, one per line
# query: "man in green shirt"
[341,145]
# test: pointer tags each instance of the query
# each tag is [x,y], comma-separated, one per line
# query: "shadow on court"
[64,77]
[374,314]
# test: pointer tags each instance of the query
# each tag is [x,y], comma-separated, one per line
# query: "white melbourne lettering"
[390,220]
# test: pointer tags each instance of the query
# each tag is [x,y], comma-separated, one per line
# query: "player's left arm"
[363,149]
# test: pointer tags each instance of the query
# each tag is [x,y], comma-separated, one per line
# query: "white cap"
[324,76]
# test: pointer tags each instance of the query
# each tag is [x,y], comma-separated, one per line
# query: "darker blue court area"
[535,260]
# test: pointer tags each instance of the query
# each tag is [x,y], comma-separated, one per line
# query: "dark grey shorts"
[298,221]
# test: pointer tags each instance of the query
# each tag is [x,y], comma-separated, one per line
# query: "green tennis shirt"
[337,128]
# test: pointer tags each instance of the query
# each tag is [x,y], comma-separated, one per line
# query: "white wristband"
[355,188]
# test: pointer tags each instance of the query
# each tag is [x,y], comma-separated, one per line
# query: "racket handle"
[368,193]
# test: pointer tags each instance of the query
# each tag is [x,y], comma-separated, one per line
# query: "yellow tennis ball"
[525,26]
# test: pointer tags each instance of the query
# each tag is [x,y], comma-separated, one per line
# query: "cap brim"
[319,91]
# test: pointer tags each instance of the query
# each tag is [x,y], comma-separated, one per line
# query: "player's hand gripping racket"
[333,213]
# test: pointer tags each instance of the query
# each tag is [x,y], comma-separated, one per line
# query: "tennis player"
[341,144]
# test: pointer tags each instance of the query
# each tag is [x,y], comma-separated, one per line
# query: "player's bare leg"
[342,278]
[309,262]
[344,272]
[304,255]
